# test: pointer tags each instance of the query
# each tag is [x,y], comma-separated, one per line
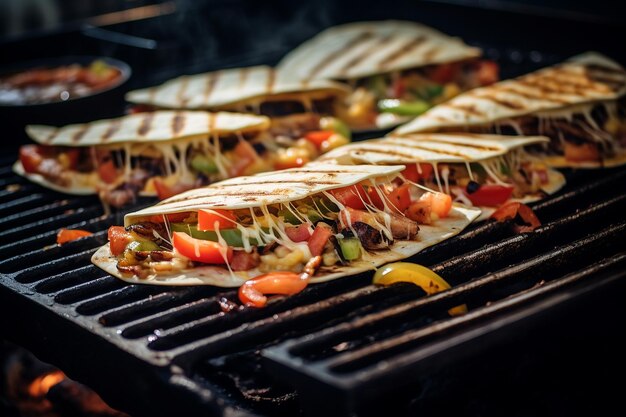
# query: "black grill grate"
[337,347]
[336,340]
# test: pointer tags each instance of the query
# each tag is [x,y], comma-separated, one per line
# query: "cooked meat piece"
[370,238]
[146,230]
[243,261]
[401,227]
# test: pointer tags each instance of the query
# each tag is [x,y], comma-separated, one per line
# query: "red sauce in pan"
[48,85]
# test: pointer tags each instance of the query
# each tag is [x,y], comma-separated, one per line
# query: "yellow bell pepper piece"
[416,274]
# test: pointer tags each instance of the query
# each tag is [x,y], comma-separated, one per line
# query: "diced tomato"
[400,197]
[67,235]
[318,239]
[173,217]
[419,211]
[398,87]
[443,73]
[118,239]
[413,174]
[440,203]
[245,155]
[30,157]
[512,210]
[207,218]
[107,172]
[374,194]
[244,261]
[205,251]
[251,293]
[490,195]
[487,72]
[353,196]
[318,137]
[165,191]
[298,233]
[581,153]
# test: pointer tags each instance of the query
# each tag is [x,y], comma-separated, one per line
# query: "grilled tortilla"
[398,68]
[462,163]
[579,104]
[120,156]
[237,89]
[166,152]
[308,194]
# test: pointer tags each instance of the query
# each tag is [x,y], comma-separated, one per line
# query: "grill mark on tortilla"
[556,76]
[463,145]
[380,42]
[271,79]
[430,54]
[361,37]
[411,156]
[401,51]
[527,94]
[539,84]
[200,199]
[211,122]
[330,173]
[76,137]
[178,123]
[611,83]
[602,68]
[469,109]
[305,182]
[503,102]
[180,94]
[210,85]
[146,123]
[53,133]
[114,126]
[243,76]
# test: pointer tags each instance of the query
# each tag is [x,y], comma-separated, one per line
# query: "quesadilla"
[398,69]
[295,107]
[162,153]
[237,229]
[578,104]
[477,170]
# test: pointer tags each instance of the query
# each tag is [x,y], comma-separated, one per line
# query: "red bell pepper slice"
[251,293]
[205,251]
[68,235]
[118,239]
[207,218]
[490,195]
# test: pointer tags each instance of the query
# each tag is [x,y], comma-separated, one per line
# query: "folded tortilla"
[563,93]
[233,89]
[275,188]
[165,131]
[362,49]
[447,148]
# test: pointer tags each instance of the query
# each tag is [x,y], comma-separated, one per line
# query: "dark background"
[164,39]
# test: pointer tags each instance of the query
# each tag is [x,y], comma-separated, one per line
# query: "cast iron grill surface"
[344,340]
[343,347]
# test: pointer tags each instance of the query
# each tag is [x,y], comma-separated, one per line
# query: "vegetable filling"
[339,226]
